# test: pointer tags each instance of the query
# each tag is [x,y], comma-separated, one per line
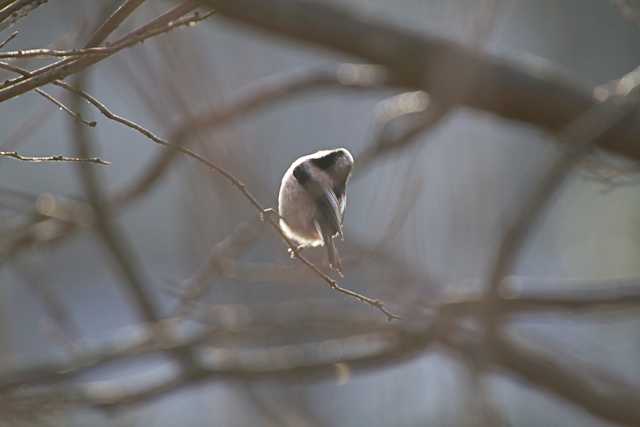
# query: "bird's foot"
[337,267]
[270,213]
[294,252]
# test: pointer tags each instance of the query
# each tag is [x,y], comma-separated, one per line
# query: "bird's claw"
[268,211]
[294,252]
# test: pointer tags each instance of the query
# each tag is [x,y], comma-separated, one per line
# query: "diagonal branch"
[66,67]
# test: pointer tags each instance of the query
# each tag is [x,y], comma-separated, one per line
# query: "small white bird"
[312,200]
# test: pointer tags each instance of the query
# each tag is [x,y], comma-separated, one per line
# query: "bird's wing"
[329,207]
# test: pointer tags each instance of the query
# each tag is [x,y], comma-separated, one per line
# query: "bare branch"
[8,39]
[17,9]
[49,97]
[43,159]
[565,297]
[66,67]
[109,50]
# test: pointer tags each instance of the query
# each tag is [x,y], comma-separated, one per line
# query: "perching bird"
[312,199]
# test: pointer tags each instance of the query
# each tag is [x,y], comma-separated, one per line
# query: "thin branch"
[47,96]
[56,158]
[255,97]
[109,50]
[66,67]
[16,10]
[351,75]
[66,109]
[8,39]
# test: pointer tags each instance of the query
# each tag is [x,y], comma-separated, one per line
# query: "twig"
[355,78]
[42,159]
[112,236]
[46,95]
[349,75]
[66,67]
[8,39]
[18,9]
[66,109]
[261,210]
[109,50]
[256,96]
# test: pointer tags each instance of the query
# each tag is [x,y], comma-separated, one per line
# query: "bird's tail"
[334,257]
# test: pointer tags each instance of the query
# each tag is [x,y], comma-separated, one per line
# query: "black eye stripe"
[301,174]
[325,162]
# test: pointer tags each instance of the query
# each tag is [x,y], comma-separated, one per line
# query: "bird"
[312,200]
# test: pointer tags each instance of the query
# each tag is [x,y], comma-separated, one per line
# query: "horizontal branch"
[400,345]
[600,395]
[576,296]
[44,159]
[448,71]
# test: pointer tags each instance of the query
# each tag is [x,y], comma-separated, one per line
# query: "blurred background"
[421,222]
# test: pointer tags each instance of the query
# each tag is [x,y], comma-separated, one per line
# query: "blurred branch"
[261,94]
[577,296]
[28,127]
[628,10]
[64,328]
[46,159]
[602,396]
[112,22]
[230,247]
[413,113]
[579,138]
[534,95]
[110,234]
[294,366]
